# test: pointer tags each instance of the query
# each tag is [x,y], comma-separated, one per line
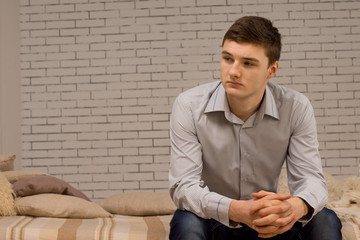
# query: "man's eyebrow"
[243,58]
[251,59]
[225,52]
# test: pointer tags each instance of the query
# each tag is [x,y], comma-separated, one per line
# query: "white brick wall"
[99,78]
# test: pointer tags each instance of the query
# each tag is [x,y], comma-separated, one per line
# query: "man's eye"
[248,64]
[227,59]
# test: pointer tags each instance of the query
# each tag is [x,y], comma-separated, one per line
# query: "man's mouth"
[235,83]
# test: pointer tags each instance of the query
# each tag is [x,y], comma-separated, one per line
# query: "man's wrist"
[302,209]
[235,209]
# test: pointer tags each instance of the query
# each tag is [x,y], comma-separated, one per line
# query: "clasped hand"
[272,213]
[268,213]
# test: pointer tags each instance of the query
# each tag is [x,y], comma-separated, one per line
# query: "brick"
[349,86]
[62,153]
[258,8]
[62,137]
[104,30]
[154,150]
[138,159]
[137,143]
[124,185]
[347,5]
[105,144]
[122,102]
[154,184]
[124,152]
[287,7]
[106,127]
[150,4]
[197,10]
[136,110]
[154,167]
[153,102]
[90,7]
[351,171]
[164,11]
[153,134]
[75,112]
[92,153]
[184,3]
[138,176]
[70,15]
[123,135]
[60,24]
[60,8]
[74,32]
[106,177]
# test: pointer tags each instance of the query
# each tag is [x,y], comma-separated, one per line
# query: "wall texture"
[10,104]
[99,78]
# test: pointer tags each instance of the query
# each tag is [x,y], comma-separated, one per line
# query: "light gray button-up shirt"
[216,157]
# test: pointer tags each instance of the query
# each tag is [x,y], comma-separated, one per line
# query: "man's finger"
[261,194]
[276,208]
[268,201]
[278,231]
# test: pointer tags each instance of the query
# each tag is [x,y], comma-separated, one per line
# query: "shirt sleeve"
[186,187]
[305,175]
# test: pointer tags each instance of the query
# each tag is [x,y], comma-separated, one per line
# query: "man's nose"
[234,71]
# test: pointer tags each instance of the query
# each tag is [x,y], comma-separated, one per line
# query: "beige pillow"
[45,184]
[14,176]
[57,205]
[139,204]
[6,197]
[7,162]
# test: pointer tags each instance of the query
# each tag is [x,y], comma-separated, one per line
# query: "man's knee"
[186,225]
[324,225]
[328,217]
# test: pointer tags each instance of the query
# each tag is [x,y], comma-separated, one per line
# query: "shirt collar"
[268,106]
[218,102]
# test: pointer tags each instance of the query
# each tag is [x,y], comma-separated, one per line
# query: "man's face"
[244,70]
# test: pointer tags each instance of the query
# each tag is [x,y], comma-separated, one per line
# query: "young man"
[229,141]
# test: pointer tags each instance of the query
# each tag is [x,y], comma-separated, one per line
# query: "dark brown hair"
[259,31]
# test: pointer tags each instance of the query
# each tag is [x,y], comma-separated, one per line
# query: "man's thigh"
[185,225]
[325,225]
[246,233]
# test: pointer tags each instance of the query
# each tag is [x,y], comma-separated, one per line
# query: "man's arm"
[186,188]
[304,169]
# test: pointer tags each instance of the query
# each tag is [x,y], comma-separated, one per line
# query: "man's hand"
[268,213]
[247,211]
[275,219]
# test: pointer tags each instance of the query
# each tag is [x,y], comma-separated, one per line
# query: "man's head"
[257,31]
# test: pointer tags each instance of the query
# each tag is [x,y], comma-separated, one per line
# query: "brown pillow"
[7,162]
[57,205]
[6,197]
[13,176]
[45,184]
[139,204]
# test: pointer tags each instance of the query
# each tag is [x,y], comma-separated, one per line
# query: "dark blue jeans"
[187,226]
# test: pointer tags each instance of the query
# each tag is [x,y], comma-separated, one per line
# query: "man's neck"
[244,109]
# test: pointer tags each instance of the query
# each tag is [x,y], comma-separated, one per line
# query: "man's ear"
[273,69]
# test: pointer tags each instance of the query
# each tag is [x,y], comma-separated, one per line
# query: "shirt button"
[202,184]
